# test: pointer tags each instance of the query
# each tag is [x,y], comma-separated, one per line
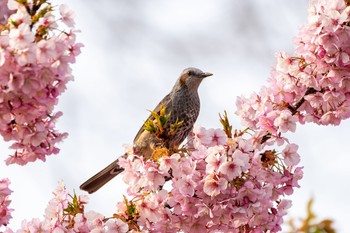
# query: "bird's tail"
[101,178]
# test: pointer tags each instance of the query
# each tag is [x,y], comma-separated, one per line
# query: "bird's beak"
[206,74]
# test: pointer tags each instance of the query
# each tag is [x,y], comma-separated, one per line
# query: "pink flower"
[230,170]
[330,118]
[116,226]
[94,220]
[315,100]
[185,166]
[5,211]
[286,121]
[200,153]
[213,185]
[241,159]
[218,137]
[4,190]
[245,145]
[186,186]
[333,98]
[21,37]
[165,163]
[283,206]
[246,111]
[45,51]
[291,157]
[132,172]
[267,124]
[67,15]
[153,178]
[147,209]
[298,175]
[234,168]
[36,225]
[200,136]
[21,16]
[25,56]
[214,158]
[80,223]
[199,226]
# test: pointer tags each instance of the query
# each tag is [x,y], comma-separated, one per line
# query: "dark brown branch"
[293,109]
[309,91]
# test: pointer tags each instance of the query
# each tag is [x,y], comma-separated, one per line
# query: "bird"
[182,104]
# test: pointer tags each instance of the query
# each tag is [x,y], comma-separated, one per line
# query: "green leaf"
[175,126]
[130,207]
[149,126]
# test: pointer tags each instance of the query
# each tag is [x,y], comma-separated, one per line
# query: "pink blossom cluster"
[311,86]
[5,211]
[35,58]
[219,185]
[65,213]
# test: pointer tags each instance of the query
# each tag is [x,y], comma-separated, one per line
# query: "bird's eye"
[190,72]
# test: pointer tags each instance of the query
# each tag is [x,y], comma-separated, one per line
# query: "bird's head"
[192,77]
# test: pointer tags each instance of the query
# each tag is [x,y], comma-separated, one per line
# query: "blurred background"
[134,52]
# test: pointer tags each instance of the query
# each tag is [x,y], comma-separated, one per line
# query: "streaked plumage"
[183,104]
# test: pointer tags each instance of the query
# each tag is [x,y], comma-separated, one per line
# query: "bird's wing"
[164,103]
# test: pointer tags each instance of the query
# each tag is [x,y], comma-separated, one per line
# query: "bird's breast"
[185,108]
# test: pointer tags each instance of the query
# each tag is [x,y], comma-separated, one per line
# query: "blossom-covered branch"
[311,86]
[66,213]
[35,58]
[238,184]
[227,180]
[220,185]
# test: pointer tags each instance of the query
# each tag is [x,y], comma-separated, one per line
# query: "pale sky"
[134,51]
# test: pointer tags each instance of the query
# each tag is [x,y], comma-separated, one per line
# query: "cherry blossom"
[5,211]
[309,86]
[67,15]
[244,179]
[220,181]
[217,136]
[116,226]
[200,136]
[213,185]
[286,122]
[215,158]
[65,213]
[35,58]
[291,157]
[229,186]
